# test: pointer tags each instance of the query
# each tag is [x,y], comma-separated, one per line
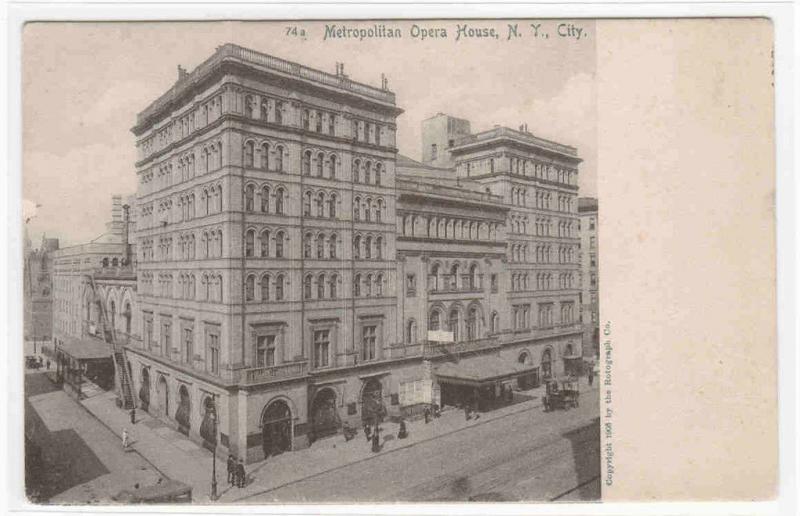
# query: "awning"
[85,349]
[476,371]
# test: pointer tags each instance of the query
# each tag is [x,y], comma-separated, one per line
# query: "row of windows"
[447,228]
[184,207]
[531,168]
[183,127]
[210,286]
[544,281]
[211,246]
[206,158]
[265,197]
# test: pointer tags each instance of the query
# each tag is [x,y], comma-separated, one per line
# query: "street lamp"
[212,413]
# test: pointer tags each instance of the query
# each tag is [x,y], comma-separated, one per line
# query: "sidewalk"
[181,459]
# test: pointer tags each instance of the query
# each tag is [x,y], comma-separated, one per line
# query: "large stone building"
[587,209]
[38,290]
[291,266]
[108,261]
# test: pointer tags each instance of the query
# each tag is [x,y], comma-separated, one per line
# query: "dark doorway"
[276,429]
[324,416]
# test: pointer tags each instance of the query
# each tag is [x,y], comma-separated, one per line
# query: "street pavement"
[523,455]
[83,462]
[501,436]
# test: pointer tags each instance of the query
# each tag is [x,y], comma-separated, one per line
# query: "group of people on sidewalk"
[236,473]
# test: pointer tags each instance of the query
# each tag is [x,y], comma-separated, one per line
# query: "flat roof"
[481,369]
[86,348]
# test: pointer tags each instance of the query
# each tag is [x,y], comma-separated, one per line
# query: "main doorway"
[324,417]
[372,409]
[276,428]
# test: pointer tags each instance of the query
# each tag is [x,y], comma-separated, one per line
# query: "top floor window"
[434,151]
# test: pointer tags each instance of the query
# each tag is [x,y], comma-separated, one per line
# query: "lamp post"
[213,415]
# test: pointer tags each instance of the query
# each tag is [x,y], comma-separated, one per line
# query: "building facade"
[291,266]
[38,290]
[590,309]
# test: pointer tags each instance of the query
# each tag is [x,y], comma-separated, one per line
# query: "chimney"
[126,247]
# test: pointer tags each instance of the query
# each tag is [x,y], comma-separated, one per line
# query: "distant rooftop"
[513,134]
[587,204]
[236,53]
[419,177]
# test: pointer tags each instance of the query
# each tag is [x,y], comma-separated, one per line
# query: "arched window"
[279,244]
[332,286]
[434,277]
[320,163]
[264,156]
[279,287]
[279,201]
[306,163]
[378,171]
[368,247]
[453,323]
[278,155]
[265,199]
[434,321]
[379,285]
[265,287]
[332,167]
[357,171]
[473,277]
[368,210]
[495,323]
[367,171]
[357,285]
[249,149]
[249,195]
[249,243]
[250,288]
[454,277]
[320,246]
[321,286]
[332,246]
[332,206]
[307,287]
[378,248]
[378,210]
[368,285]
[357,247]
[264,240]
[411,332]
[307,204]
[472,324]
[357,209]
[307,245]
[320,205]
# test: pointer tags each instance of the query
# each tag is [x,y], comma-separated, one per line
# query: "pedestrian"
[368,431]
[240,473]
[591,376]
[125,442]
[231,469]
[376,441]
[133,416]
[427,415]
[48,364]
[403,433]
[466,412]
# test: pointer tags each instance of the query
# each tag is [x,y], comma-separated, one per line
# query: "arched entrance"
[208,426]
[372,408]
[547,363]
[144,390]
[528,380]
[324,416]
[182,415]
[163,397]
[276,428]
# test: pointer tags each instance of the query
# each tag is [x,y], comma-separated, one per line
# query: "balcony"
[557,329]
[257,375]
[446,284]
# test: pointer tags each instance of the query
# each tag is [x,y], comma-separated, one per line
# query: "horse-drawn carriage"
[561,393]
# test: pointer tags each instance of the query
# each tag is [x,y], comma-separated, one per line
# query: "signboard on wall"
[416,392]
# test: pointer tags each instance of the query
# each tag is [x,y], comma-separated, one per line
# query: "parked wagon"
[561,393]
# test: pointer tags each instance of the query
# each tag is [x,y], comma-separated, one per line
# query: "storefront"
[79,361]
[482,382]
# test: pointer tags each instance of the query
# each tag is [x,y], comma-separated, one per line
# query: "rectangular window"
[593,260]
[188,340]
[494,282]
[166,329]
[591,223]
[322,342]
[368,341]
[148,333]
[411,285]
[593,280]
[265,350]
[592,242]
[213,353]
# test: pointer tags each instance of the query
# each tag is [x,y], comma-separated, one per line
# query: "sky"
[84,83]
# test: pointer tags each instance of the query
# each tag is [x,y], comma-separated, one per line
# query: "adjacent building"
[294,273]
[38,290]
[590,308]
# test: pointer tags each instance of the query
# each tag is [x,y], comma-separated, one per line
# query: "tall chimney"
[125,230]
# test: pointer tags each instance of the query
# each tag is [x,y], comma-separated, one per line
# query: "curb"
[393,450]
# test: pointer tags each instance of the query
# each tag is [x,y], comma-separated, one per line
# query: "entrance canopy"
[85,349]
[481,370]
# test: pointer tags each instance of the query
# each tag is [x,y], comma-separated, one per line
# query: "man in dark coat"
[367,431]
[591,376]
[231,470]
[403,433]
[376,440]
[133,416]
[427,415]
[240,473]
